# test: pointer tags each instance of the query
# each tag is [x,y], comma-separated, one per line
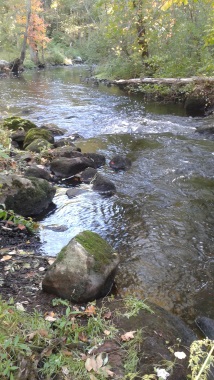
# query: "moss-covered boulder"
[15,123]
[38,133]
[84,269]
[38,146]
[26,196]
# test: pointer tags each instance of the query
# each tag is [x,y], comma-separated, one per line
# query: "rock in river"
[25,196]
[84,269]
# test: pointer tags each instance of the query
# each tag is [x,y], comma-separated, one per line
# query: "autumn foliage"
[32,15]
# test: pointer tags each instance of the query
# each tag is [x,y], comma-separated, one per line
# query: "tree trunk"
[34,55]
[141,30]
[24,45]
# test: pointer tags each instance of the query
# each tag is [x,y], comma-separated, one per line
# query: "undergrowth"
[66,346]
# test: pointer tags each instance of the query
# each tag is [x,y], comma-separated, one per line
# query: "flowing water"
[161,219]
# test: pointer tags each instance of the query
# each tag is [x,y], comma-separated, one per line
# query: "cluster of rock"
[84,270]
[64,161]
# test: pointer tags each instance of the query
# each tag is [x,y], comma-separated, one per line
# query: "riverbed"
[161,218]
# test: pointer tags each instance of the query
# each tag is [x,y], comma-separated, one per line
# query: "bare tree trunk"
[24,45]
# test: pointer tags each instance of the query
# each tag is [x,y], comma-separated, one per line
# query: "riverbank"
[196,94]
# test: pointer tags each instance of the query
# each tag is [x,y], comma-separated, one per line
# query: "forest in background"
[123,38]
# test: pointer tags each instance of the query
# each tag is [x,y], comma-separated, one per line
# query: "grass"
[66,345]
[46,345]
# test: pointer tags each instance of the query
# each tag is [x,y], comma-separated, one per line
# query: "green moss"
[38,145]
[27,199]
[95,246]
[38,133]
[60,255]
[14,123]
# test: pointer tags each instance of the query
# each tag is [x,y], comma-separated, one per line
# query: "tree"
[32,29]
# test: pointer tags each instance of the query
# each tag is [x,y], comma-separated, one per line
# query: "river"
[161,219]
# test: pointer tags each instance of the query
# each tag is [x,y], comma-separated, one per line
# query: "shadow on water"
[160,220]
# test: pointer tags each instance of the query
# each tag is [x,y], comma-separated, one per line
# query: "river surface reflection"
[161,219]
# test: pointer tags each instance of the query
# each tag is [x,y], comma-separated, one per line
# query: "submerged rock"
[84,269]
[206,129]
[103,185]
[120,163]
[88,175]
[25,196]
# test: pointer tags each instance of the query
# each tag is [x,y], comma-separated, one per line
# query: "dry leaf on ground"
[128,336]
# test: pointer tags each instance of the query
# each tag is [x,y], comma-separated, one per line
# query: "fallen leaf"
[51,261]
[31,335]
[88,364]
[92,377]
[99,361]
[43,333]
[65,370]
[106,332]
[106,370]
[41,269]
[19,306]
[46,352]
[90,310]
[83,357]
[50,316]
[128,336]
[107,315]
[50,319]
[21,227]
[14,252]
[83,337]
[6,257]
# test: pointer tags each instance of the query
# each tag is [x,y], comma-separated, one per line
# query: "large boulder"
[38,133]
[15,123]
[25,196]
[65,167]
[84,270]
